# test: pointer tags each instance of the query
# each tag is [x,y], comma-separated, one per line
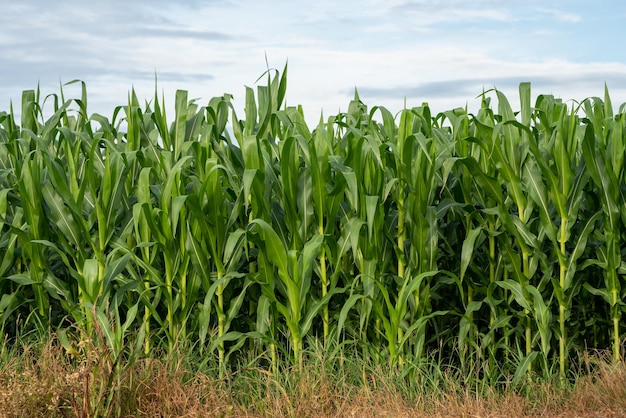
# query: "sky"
[395,52]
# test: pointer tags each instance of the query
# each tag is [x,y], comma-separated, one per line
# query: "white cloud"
[560,15]
[438,51]
[454,10]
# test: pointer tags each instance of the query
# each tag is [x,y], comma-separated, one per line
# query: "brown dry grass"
[50,383]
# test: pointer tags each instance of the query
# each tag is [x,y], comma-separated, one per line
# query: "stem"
[170,301]
[183,271]
[492,267]
[507,342]
[526,273]
[37,276]
[297,347]
[252,306]
[528,334]
[616,339]
[220,323]
[562,307]
[401,263]
[616,317]
[146,317]
[101,259]
[401,238]
[273,351]
[324,278]
[470,333]
[614,260]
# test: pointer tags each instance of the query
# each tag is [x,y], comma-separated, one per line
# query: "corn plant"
[558,162]
[603,150]
[494,239]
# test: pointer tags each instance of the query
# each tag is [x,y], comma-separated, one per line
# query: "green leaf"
[517,291]
[467,250]
[22,279]
[523,368]
[90,283]
[274,248]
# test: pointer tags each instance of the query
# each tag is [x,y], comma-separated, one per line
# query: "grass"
[39,378]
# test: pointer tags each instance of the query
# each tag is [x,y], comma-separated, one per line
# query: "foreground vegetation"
[39,379]
[492,243]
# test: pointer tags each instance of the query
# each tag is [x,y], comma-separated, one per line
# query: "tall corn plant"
[13,294]
[474,209]
[604,145]
[215,239]
[288,245]
[422,157]
[74,206]
[363,248]
[18,241]
[258,180]
[510,150]
[481,201]
[175,232]
[327,188]
[28,165]
[88,209]
[556,182]
[161,213]
[506,141]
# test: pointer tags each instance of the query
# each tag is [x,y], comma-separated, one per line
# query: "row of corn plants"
[495,239]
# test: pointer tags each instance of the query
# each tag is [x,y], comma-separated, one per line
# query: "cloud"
[471,87]
[164,76]
[446,94]
[438,11]
[193,4]
[560,15]
[202,35]
[443,52]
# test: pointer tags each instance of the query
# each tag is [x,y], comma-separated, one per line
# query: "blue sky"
[440,52]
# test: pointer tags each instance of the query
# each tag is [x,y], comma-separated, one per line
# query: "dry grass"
[48,382]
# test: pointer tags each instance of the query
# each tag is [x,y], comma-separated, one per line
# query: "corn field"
[493,238]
